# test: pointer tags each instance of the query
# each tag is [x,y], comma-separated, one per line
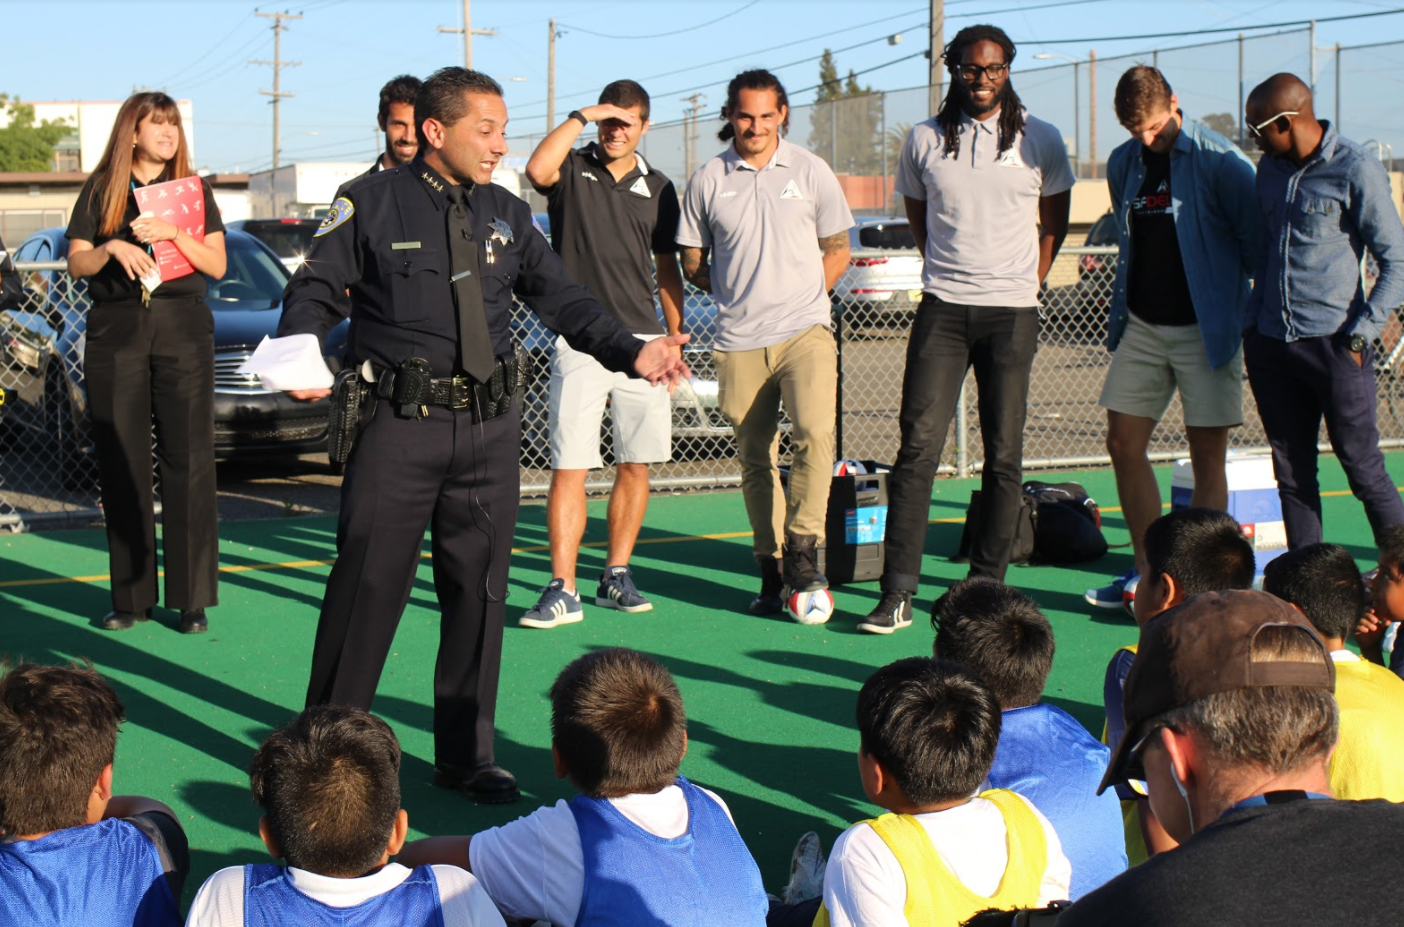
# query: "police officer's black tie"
[474,343]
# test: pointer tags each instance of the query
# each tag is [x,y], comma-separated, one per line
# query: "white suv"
[883,281]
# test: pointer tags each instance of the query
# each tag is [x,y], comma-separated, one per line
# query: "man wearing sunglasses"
[1310,325]
[1230,723]
[1188,231]
[987,187]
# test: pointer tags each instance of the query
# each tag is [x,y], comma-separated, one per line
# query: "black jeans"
[1296,385]
[946,341]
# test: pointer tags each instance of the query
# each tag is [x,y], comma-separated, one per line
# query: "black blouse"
[110,284]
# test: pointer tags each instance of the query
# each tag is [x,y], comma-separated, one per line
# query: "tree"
[1223,123]
[843,124]
[25,146]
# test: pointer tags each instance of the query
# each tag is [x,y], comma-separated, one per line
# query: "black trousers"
[143,365]
[1296,385]
[946,341]
[460,479]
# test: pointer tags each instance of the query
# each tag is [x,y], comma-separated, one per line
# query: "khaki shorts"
[1152,360]
[642,414]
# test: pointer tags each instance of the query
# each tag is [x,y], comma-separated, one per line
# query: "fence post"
[882,140]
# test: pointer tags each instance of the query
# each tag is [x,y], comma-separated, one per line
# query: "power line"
[661,35]
[215,74]
[1173,35]
[229,34]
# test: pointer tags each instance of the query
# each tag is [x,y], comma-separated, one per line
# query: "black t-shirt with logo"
[607,233]
[111,283]
[1157,291]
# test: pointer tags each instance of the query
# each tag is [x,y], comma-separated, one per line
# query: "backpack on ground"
[1057,523]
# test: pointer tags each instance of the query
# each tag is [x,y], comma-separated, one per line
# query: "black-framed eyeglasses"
[971,72]
[1257,130]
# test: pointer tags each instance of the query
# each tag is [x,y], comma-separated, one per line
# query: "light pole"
[1077,106]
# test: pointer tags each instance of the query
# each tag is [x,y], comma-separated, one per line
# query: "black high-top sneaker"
[768,601]
[802,564]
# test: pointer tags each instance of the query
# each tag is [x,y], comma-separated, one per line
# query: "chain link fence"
[48,469]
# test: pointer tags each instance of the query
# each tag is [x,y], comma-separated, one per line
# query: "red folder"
[181,203]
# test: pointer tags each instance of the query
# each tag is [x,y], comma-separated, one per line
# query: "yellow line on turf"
[532,549]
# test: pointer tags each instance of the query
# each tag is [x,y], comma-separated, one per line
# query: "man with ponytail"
[987,188]
[775,221]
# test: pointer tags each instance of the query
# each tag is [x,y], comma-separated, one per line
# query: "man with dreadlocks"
[974,178]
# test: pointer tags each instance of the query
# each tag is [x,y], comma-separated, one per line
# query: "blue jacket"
[1211,185]
[1319,220]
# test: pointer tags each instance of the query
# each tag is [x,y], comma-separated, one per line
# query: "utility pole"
[277,64]
[1241,132]
[936,71]
[550,74]
[467,32]
[1092,109]
[690,130]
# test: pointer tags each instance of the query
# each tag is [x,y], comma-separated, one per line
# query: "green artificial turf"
[770,703]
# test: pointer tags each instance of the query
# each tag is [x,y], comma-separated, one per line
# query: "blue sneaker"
[617,590]
[1116,594]
[555,607]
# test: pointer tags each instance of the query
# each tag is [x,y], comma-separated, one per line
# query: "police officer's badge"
[340,211]
[501,231]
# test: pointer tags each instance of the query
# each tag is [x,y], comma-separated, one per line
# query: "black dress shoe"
[488,784]
[193,621]
[122,621]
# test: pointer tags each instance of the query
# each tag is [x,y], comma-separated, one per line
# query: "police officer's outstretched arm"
[568,309]
[316,298]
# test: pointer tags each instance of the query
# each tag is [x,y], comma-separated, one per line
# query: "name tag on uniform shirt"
[404,245]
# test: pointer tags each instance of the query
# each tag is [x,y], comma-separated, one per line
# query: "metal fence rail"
[48,470]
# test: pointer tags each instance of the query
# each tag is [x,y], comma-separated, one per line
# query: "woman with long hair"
[150,359]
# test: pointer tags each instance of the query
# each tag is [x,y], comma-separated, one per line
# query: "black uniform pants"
[460,479]
[946,341]
[143,365]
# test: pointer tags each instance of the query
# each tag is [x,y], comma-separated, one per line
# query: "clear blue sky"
[64,50]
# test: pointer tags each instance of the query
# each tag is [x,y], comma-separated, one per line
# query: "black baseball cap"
[1201,647]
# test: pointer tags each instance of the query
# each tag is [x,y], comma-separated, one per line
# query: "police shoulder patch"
[340,211]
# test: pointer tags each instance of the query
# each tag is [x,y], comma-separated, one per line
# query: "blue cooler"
[1252,500]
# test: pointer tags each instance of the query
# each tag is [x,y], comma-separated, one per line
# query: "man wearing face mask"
[613,217]
[1230,724]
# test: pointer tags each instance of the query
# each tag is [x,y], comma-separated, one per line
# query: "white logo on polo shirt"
[791,192]
[1010,158]
[589,176]
[640,188]
[726,194]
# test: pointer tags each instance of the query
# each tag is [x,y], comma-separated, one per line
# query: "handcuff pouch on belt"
[352,405]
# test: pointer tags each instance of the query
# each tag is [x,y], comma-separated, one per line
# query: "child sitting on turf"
[1323,582]
[639,844]
[928,731]
[71,852]
[1386,602]
[1188,551]
[329,787]
[1044,753]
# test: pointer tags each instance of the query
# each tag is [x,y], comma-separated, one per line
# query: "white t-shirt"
[864,884]
[220,901]
[534,867]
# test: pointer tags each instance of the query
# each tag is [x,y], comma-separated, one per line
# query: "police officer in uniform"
[426,259]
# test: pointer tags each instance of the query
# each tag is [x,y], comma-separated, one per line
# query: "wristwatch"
[577,114]
[1356,344]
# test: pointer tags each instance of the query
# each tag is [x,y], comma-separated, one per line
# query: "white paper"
[294,362]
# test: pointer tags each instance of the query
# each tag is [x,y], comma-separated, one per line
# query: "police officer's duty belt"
[412,384]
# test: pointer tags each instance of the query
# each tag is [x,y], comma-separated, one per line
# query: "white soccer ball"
[815,607]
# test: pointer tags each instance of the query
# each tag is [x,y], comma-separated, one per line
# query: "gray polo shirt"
[982,207]
[763,227]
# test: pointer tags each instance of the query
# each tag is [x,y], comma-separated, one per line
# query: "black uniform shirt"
[110,283]
[387,241]
[1157,291]
[607,232]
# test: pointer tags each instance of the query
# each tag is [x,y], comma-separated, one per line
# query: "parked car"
[880,287]
[1096,273]
[290,239]
[41,358]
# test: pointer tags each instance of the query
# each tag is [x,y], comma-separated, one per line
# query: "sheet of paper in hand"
[294,362]
[181,203]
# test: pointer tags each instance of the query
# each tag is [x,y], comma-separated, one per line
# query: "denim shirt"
[1319,219]
[1211,189]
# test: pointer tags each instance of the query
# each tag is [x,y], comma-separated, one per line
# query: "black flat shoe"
[122,621]
[193,621]
[489,784]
